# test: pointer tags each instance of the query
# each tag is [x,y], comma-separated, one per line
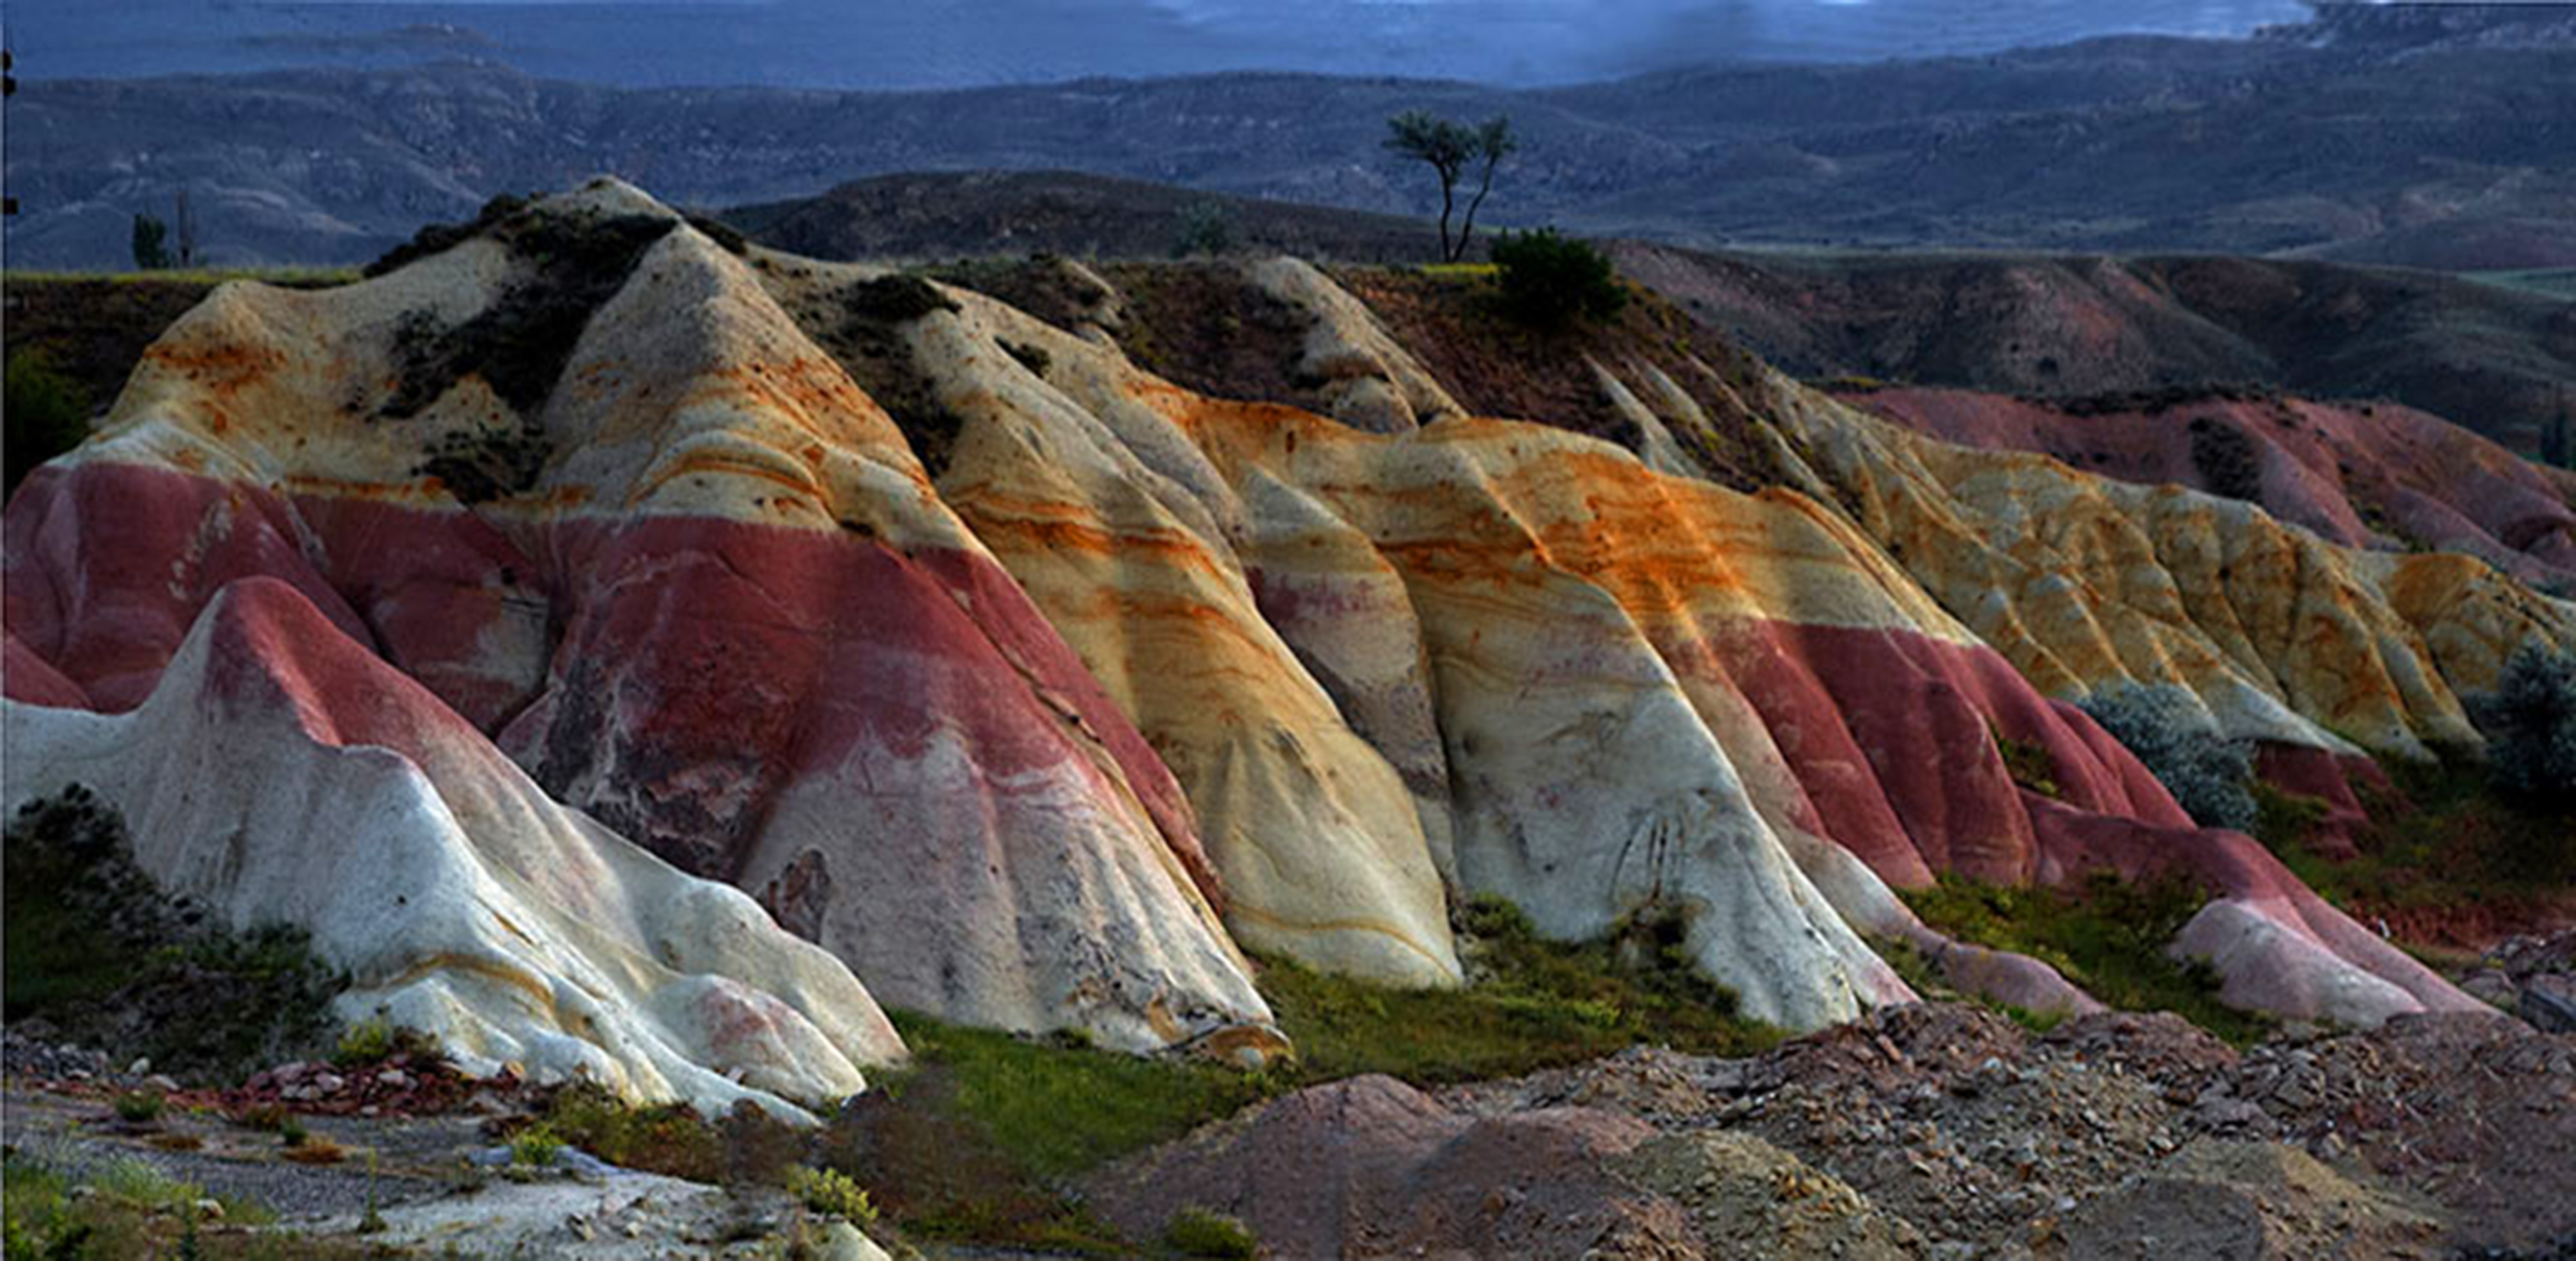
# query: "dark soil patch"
[1041,286]
[2226,459]
[98,955]
[1496,366]
[862,325]
[520,343]
[1208,328]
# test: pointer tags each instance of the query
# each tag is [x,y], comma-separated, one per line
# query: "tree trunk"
[1447,182]
[1468,229]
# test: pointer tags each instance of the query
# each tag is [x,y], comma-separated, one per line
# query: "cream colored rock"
[279,773]
[2085,582]
[1370,380]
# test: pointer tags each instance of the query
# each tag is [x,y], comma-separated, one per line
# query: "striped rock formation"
[2370,475]
[729,617]
[1029,683]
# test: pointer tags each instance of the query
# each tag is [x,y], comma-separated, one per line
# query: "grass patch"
[134,1210]
[1532,1004]
[1196,1232]
[2108,938]
[1056,1109]
[669,1139]
[2443,841]
[977,1139]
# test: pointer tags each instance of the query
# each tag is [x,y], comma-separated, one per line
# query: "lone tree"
[1449,148]
[151,251]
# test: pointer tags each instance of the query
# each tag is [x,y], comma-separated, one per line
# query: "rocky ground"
[1935,1130]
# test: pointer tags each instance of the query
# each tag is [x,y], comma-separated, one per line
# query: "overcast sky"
[940,43]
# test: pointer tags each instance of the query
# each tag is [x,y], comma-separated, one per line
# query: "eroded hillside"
[1038,658]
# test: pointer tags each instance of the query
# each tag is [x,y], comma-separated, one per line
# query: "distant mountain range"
[2351,139]
[925,44]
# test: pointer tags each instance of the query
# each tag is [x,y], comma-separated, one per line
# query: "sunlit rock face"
[1035,688]
[726,614]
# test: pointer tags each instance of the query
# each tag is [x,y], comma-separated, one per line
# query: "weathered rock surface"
[2435,1135]
[728,616]
[1029,683]
[2375,475]
[281,771]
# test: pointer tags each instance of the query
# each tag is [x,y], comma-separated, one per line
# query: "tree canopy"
[1450,148]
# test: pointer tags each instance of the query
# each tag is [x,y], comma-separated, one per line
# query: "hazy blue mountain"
[952,43]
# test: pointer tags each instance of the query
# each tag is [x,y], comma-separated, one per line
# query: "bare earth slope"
[1029,683]
[2070,327]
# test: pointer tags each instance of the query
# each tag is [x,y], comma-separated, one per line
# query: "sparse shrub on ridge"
[1207,227]
[2209,775]
[43,415]
[2530,723]
[1551,280]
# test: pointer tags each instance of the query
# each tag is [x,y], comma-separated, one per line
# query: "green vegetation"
[2443,839]
[94,947]
[1552,281]
[129,1208]
[150,244]
[138,1107]
[2165,726]
[1197,1232]
[1206,227]
[669,1139]
[2108,937]
[1926,980]
[976,1138]
[2028,763]
[535,1147]
[43,415]
[2530,724]
[288,277]
[1055,1108]
[831,1192]
[1533,1004]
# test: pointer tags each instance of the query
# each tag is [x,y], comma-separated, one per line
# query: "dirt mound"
[1990,1141]
[1372,1167]
[2232,1199]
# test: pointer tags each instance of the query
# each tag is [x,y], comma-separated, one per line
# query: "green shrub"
[139,1107]
[1530,1003]
[832,1193]
[1197,1232]
[2530,723]
[1207,227]
[93,946]
[44,415]
[535,1147]
[370,1041]
[1550,280]
[2211,777]
[2028,763]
